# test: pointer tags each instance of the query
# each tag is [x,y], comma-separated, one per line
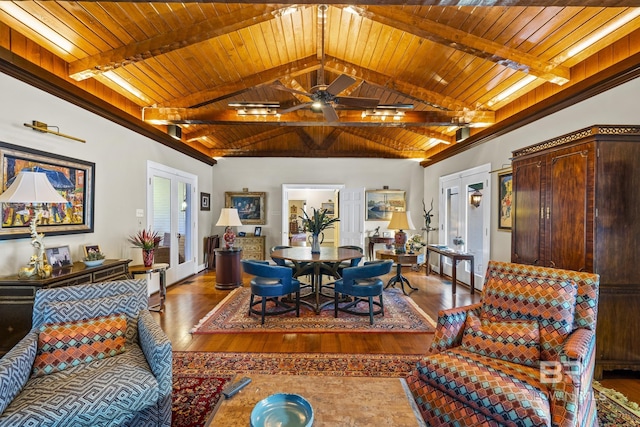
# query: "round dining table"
[316,264]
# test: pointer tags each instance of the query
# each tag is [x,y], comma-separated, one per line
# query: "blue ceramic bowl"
[282,410]
[93,263]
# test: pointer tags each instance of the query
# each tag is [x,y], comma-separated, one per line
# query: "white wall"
[616,106]
[120,156]
[268,175]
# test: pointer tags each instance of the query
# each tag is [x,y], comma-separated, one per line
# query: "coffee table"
[336,401]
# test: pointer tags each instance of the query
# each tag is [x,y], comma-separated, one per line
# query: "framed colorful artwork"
[251,206]
[380,204]
[505,200]
[74,179]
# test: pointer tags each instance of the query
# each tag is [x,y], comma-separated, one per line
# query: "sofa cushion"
[67,311]
[550,302]
[513,341]
[67,344]
[504,392]
[106,392]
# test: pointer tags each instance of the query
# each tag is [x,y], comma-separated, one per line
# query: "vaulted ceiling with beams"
[390,79]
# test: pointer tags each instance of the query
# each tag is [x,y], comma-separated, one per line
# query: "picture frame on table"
[74,179]
[59,257]
[91,248]
[257,232]
[380,204]
[505,200]
[251,206]
[205,201]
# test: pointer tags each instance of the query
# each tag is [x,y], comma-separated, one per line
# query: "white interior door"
[172,212]
[352,216]
[460,220]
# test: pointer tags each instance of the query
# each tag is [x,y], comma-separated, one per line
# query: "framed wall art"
[205,201]
[505,199]
[380,204]
[251,206]
[59,257]
[73,179]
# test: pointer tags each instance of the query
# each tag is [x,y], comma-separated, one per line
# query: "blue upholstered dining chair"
[363,283]
[271,282]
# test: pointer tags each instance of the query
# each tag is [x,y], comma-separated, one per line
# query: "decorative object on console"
[229,218]
[148,241]
[400,221]
[315,224]
[33,188]
[459,242]
[93,257]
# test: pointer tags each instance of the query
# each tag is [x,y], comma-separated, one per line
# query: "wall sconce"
[476,198]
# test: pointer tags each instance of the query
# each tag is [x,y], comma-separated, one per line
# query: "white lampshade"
[31,187]
[401,221]
[229,218]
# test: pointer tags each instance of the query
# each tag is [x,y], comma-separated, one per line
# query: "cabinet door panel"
[569,210]
[527,231]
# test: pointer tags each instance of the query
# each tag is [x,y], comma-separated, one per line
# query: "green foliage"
[94,256]
[318,222]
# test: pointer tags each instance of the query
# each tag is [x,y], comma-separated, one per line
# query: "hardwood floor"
[190,300]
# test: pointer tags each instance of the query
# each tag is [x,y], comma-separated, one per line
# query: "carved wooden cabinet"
[17,295]
[253,247]
[576,205]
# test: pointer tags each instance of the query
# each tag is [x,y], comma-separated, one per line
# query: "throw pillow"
[513,341]
[64,345]
[550,302]
[68,311]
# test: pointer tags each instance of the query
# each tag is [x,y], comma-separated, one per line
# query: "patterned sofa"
[94,357]
[523,356]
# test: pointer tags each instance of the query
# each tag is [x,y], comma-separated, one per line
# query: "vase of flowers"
[316,224]
[148,241]
[459,242]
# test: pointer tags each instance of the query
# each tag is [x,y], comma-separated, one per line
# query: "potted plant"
[93,258]
[148,241]
[315,224]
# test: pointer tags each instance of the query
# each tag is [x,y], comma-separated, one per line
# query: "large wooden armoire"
[576,205]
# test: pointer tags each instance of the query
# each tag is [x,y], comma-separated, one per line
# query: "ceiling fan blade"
[352,101]
[280,86]
[295,107]
[340,84]
[329,112]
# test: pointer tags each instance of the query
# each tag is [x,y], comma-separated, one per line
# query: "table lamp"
[229,218]
[400,221]
[33,188]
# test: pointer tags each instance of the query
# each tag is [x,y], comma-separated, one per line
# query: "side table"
[400,259]
[377,239]
[161,269]
[456,257]
[228,268]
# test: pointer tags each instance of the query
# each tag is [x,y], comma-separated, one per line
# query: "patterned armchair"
[523,356]
[94,357]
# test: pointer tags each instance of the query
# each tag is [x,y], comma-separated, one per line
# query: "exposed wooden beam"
[216,26]
[321,154]
[379,139]
[481,3]
[225,91]
[470,44]
[330,139]
[305,118]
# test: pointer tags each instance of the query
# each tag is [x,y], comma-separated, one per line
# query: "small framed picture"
[242,234]
[91,249]
[386,234]
[59,257]
[205,201]
[257,231]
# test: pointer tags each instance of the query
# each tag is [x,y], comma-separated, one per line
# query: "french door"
[464,226]
[172,213]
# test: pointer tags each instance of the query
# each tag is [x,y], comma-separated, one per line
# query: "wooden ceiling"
[180,63]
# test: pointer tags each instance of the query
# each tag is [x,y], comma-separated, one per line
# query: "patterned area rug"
[401,314]
[199,377]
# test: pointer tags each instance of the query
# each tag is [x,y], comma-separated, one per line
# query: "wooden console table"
[455,258]
[17,296]
[377,239]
